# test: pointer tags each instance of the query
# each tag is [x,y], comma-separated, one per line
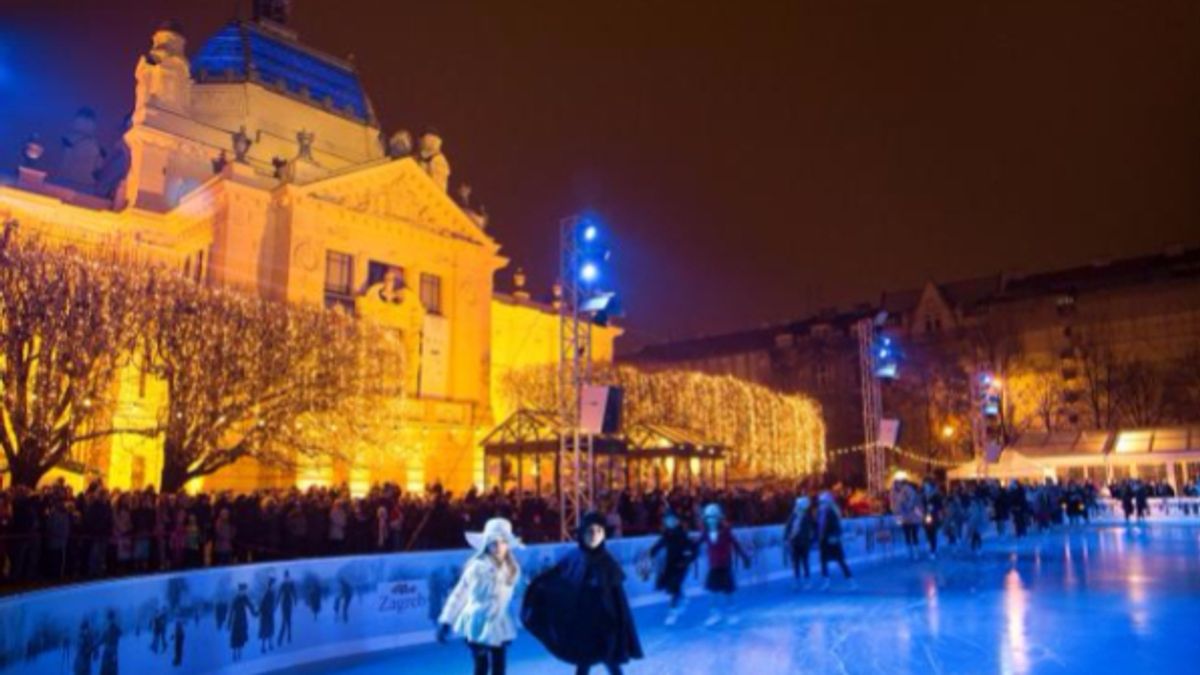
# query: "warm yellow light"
[947,431]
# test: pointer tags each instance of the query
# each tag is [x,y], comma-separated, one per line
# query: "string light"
[766,433]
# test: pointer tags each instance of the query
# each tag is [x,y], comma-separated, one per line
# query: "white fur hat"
[802,503]
[493,529]
[713,510]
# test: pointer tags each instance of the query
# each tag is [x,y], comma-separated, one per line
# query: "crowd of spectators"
[55,534]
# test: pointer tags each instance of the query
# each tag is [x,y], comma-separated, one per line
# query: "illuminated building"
[1105,346]
[258,163]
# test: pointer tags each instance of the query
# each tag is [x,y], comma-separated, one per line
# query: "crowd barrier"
[337,606]
[1182,508]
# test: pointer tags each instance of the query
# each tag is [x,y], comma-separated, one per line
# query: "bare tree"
[1034,396]
[247,377]
[1100,368]
[1141,387]
[67,326]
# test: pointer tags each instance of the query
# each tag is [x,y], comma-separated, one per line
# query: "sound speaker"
[601,412]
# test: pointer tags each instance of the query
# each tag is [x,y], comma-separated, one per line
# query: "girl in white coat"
[477,608]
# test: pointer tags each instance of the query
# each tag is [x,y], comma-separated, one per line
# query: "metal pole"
[871,407]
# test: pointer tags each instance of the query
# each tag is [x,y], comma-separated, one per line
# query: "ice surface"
[1102,600]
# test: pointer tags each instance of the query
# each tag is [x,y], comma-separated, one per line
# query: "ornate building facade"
[258,163]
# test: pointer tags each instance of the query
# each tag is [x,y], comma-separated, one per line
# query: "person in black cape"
[578,608]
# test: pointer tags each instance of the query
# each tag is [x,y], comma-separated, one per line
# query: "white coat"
[477,608]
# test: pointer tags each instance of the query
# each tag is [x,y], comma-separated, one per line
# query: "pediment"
[933,304]
[398,190]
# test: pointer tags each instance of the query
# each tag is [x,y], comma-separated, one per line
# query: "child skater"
[578,608]
[477,608]
[799,535]
[721,545]
[680,552]
[829,537]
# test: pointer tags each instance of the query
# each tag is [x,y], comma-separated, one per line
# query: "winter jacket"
[906,504]
[721,550]
[801,529]
[477,608]
[829,527]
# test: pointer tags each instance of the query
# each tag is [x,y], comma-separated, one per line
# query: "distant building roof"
[706,347]
[964,294]
[244,51]
[1172,264]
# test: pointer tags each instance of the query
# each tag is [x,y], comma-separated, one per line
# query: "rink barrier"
[1160,508]
[342,606]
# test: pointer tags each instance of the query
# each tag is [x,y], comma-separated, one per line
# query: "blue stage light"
[590,233]
[589,272]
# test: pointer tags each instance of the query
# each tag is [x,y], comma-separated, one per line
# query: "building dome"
[246,51]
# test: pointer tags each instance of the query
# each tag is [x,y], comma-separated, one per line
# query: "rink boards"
[342,606]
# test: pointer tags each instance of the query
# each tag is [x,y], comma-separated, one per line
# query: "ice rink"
[1108,599]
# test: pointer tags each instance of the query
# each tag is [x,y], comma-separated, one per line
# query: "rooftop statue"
[430,157]
[82,154]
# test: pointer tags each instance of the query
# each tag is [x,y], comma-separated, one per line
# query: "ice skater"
[341,604]
[680,552]
[266,618]
[721,545]
[478,607]
[112,646]
[287,602]
[906,505]
[159,632]
[85,650]
[829,538]
[178,644]
[933,506]
[239,621]
[578,608]
[977,519]
[799,535]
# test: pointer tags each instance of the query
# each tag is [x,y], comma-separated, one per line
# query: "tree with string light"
[251,378]
[769,434]
[68,324]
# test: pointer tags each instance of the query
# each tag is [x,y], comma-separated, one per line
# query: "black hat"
[586,521]
[591,518]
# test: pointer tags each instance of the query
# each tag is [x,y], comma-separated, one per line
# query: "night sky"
[754,160]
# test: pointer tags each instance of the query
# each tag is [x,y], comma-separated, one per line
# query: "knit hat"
[826,497]
[802,503]
[712,510]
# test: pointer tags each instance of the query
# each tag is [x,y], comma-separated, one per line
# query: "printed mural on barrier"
[271,615]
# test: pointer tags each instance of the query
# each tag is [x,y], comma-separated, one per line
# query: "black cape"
[579,611]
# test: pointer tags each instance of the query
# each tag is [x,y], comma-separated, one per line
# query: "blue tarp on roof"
[243,51]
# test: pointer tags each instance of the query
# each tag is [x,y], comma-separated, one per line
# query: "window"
[339,280]
[823,374]
[377,271]
[431,293]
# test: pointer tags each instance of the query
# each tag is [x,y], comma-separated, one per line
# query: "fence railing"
[1157,508]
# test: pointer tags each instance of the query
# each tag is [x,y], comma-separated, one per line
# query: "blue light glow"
[589,272]
[590,233]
